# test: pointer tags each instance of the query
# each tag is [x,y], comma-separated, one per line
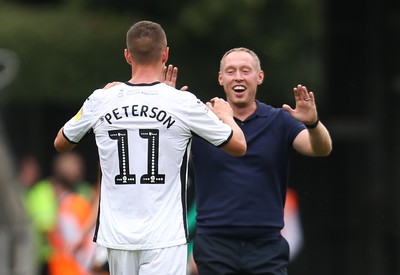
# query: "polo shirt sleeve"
[294,126]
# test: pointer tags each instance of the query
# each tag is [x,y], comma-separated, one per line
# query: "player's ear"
[165,55]
[127,57]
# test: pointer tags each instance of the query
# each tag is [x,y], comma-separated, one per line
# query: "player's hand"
[305,110]
[220,107]
[111,84]
[169,76]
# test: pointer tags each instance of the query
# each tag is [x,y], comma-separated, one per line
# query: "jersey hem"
[226,141]
[65,136]
[141,246]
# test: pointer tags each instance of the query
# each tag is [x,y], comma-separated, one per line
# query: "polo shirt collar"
[261,111]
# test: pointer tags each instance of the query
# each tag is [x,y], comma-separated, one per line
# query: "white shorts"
[170,260]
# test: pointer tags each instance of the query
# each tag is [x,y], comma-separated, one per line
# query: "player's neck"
[145,74]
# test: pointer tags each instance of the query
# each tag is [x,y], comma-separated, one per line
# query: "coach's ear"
[220,78]
[127,57]
[260,77]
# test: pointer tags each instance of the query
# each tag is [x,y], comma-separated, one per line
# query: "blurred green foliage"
[63,55]
[69,48]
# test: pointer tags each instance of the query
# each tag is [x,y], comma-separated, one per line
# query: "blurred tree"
[81,48]
[63,55]
[288,47]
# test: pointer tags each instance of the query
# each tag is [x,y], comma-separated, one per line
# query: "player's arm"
[237,145]
[61,143]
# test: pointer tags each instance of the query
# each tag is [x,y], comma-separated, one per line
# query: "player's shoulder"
[106,92]
[183,95]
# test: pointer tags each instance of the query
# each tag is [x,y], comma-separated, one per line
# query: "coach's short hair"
[146,41]
[241,49]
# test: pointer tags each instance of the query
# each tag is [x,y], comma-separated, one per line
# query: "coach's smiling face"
[240,76]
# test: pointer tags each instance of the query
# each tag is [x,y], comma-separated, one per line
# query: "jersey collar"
[142,84]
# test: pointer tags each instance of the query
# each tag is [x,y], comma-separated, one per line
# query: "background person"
[43,200]
[73,210]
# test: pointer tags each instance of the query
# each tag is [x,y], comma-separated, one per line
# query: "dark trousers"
[217,255]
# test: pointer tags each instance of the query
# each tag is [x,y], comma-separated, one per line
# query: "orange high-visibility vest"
[74,210]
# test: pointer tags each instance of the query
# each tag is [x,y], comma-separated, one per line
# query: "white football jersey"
[143,134]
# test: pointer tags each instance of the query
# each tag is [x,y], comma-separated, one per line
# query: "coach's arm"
[61,143]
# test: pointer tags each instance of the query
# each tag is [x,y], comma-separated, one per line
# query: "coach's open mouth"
[239,88]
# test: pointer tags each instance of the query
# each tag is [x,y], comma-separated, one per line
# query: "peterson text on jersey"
[143,111]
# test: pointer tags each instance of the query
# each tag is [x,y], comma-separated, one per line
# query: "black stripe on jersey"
[222,144]
[184,178]
[96,230]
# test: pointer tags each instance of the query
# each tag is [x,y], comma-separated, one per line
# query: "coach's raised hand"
[169,76]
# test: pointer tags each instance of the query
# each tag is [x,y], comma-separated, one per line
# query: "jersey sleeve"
[205,124]
[78,126]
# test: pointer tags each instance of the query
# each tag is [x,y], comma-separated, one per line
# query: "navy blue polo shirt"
[244,196]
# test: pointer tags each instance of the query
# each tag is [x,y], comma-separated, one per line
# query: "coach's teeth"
[239,88]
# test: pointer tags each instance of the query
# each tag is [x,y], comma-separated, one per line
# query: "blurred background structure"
[16,245]
[345,51]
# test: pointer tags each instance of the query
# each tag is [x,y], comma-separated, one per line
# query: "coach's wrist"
[312,125]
